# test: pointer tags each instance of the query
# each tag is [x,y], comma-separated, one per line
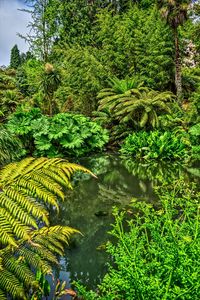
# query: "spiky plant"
[139,107]
[50,80]
[121,86]
[27,189]
[120,90]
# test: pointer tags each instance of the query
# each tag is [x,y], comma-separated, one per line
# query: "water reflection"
[89,207]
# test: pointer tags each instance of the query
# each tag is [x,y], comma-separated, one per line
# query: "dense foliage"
[10,96]
[139,106]
[157,145]
[156,257]
[63,135]
[102,75]
[10,147]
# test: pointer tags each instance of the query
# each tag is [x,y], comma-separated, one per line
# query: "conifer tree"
[15,59]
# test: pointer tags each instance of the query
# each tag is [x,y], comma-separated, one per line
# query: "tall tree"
[42,27]
[136,43]
[15,59]
[175,12]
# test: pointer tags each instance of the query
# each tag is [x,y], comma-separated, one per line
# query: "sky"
[12,21]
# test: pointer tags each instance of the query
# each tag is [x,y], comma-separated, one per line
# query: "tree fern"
[27,189]
[139,106]
[119,90]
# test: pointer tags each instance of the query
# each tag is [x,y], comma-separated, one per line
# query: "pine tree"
[15,59]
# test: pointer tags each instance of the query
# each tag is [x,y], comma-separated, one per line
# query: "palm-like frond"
[3,295]
[119,89]
[27,189]
[141,106]
[9,282]
[22,184]
[38,253]
[123,85]
[174,12]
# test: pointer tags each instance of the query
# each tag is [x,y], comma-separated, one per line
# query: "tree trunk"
[178,79]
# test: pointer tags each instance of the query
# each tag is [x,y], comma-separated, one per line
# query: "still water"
[88,208]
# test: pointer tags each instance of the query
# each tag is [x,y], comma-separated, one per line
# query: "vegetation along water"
[99,152]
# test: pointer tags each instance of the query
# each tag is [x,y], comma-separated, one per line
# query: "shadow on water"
[89,207]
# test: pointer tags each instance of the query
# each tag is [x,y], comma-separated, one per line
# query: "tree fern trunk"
[178,79]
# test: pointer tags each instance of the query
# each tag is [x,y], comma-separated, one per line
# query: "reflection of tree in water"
[89,207]
[160,172]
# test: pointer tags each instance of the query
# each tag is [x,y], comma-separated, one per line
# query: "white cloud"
[12,21]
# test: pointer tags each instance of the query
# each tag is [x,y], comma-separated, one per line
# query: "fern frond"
[34,260]
[18,228]
[29,204]
[19,269]
[136,104]
[105,93]
[8,282]
[6,232]
[39,191]
[144,119]
[3,295]
[14,199]
[26,188]
[48,183]
[10,146]
[53,238]
[41,247]
[70,168]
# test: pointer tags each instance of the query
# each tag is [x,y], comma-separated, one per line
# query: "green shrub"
[194,132]
[157,145]
[139,106]
[82,78]
[157,257]
[10,147]
[193,110]
[61,135]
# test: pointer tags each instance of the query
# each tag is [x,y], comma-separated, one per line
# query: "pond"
[88,207]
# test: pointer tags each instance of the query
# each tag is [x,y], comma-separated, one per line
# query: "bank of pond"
[89,208]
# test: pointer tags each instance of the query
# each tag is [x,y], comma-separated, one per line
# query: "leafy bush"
[157,145]
[139,105]
[82,77]
[10,97]
[117,132]
[157,257]
[10,147]
[190,80]
[61,135]
[193,108]
[136,42]
[28,77]
[194,132]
